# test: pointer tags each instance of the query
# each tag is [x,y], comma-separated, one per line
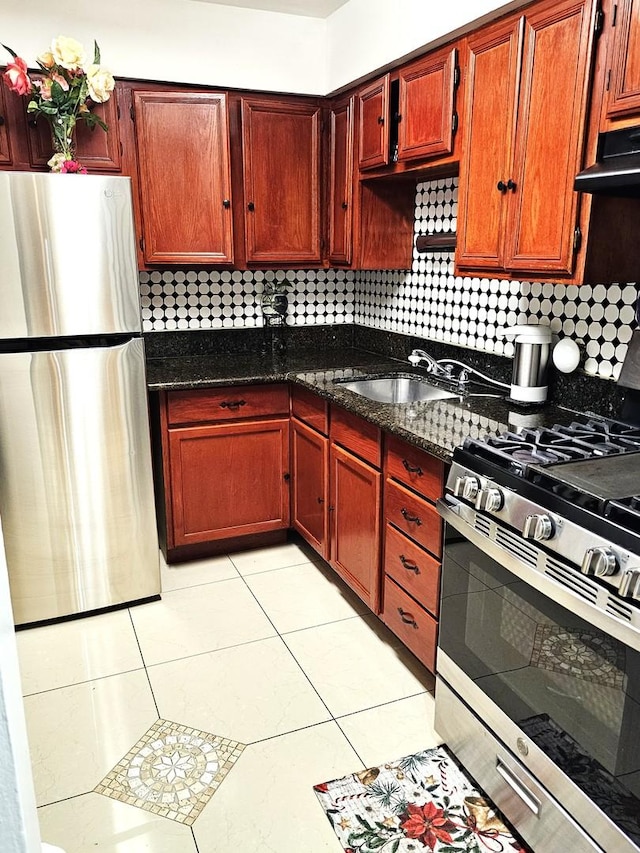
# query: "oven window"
[574,690]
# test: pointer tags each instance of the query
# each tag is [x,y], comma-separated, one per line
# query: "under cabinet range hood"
[616,171]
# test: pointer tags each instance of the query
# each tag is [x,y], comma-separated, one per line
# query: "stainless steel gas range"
[538,686]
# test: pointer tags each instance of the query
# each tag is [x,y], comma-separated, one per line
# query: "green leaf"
[33,107]
[364,822]
[96,53]
[48,108]
[58,94]
[12,52]
[395,845]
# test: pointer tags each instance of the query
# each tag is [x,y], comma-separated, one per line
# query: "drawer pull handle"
[412,519]
[320,500]
[407,618]
[232,404]
[528,797]
[412,469]
[409,565]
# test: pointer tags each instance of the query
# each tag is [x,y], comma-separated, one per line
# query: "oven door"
[562,694]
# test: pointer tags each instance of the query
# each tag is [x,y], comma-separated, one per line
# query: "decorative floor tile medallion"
[172,771]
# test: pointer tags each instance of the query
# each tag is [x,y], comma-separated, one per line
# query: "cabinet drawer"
[413,568]
[310,408]
[413,516]
[357,435]
[408,621]
[227,403]
[414,468]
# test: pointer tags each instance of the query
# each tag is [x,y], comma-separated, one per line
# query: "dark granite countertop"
[436,426]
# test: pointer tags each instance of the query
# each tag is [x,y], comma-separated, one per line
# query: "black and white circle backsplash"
[428,301]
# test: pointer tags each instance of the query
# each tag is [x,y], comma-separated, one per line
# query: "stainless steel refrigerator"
[76,490]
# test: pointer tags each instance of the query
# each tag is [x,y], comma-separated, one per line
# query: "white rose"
[100,82]
[68,52]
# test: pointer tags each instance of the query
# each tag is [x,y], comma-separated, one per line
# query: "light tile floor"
[267,648]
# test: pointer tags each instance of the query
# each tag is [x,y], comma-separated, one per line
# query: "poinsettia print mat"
[422,802]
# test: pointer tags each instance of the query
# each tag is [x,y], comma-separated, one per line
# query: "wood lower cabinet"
[355,523]
[226,475]
[310,492]
[185,180]
[412,547]
[281,160]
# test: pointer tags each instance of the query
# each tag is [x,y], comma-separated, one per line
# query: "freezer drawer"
[76,492]
[67,256]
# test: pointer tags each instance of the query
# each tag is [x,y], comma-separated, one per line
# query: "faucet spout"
[419,356]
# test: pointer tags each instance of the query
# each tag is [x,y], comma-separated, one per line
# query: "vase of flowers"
[62,93]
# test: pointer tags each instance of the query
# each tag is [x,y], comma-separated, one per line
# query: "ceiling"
[309,8]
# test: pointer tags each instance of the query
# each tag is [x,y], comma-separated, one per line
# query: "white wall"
[192,41]
[19,831]
[179,41]
[368,34]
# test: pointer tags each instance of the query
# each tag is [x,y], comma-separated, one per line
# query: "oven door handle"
[518,787]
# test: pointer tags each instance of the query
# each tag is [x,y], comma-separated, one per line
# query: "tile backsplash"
[428,301]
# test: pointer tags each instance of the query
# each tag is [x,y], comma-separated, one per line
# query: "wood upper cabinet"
[281,159]
[95,149]
[310,494]
[518,209]
[373,124]
[427,118]
[341,128]
[6,158]
[185,180]
[624,82]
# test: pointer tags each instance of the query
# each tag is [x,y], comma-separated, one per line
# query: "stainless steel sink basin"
[397,389]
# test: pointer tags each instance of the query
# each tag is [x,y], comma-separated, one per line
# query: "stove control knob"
[466,487]
[630,584]
[599,562]
[538,527]
[489,499]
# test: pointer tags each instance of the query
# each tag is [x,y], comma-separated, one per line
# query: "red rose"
[17,78]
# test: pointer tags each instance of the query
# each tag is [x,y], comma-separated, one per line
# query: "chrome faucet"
[432,366]
[444,368]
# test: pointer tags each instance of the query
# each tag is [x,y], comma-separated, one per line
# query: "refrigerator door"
[67,256]
[76,491]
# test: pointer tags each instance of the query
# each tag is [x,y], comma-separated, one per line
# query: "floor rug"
[421,802]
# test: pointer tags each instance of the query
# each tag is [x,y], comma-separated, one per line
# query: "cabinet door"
[552,113]
[281,148]
[6,158]
[341,182]
[355,525]
[427,94]
[229,480]
[489,125]
[624,90]
[185,180]
[373,124]
[309,500]
[96,149]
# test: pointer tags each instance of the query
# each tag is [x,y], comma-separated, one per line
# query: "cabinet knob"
[320,500]
[380,119]
[344,205]
[226,203]
[511,185]
[502,187]
[251,206]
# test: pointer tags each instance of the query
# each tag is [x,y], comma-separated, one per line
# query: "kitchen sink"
[400,388]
